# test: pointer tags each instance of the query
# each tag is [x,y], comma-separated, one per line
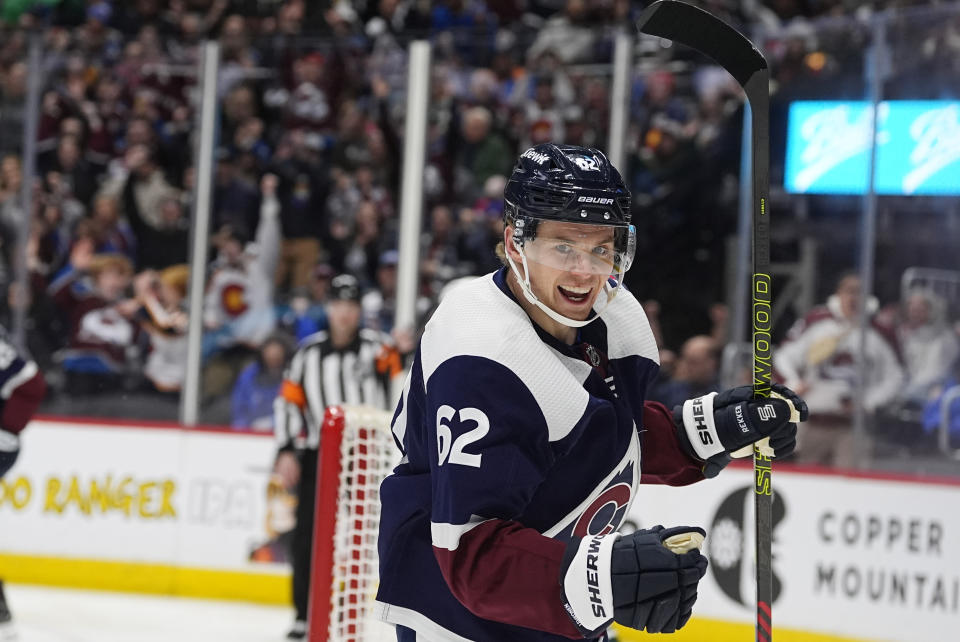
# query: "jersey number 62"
[452,450]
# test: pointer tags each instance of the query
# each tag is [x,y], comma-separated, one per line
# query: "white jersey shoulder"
[478,319]
[628,330]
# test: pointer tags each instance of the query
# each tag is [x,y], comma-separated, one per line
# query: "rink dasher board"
[859,556]
[145,507]
[855,556]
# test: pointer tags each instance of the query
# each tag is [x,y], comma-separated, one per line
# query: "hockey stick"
[697,29]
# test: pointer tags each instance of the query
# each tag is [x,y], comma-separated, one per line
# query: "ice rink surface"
[44,614]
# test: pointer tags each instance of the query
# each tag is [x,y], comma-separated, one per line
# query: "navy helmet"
[566,183]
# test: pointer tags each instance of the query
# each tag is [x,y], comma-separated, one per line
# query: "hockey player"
[525,432]
[21,390]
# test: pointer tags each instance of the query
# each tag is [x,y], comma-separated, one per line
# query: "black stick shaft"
[756,90]
[693,27]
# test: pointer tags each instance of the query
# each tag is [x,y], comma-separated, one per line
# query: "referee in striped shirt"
[345,364]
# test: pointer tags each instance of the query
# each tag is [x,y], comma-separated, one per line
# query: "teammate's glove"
[645,580]
[9,449]
[715,426]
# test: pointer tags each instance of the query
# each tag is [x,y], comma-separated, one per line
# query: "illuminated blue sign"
[918,147]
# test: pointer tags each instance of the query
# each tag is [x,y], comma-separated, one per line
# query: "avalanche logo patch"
[605,509]
[605,513]
[234,300]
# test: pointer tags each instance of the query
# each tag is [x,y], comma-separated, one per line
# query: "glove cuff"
[700,426]
[585,583]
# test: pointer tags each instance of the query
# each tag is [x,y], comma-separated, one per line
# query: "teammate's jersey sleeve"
[664,461]
[22,388]
[491,450]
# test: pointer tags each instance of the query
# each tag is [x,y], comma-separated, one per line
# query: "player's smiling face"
[569,264]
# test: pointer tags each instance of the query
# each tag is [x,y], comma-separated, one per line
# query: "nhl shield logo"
[593,355]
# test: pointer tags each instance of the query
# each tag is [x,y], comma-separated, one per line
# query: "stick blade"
[700,30]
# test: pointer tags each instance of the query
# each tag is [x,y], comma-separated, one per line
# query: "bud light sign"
[918,147]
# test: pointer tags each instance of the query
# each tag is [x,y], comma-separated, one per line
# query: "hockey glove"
[715,426]
[9,449]
[645,580]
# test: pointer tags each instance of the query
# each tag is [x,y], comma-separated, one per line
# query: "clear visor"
[608,254]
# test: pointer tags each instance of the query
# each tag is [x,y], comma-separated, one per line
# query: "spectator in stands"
[163,239]
[440,261]
[163,316]
[140,172]
[238,307]
[111,233]
[57,234]
[302,192]
[478,233]
[933,411]
[929,345]
[305,314]
[237,55]
[258,386]
[11,179]
[13,91]
[484,153]
[543,115]
[75,173]
[309,105]
[821,361]
[236,200]
[350,149]
[380,303]
[358,256]
[567,34]
[697,373]
[90,294]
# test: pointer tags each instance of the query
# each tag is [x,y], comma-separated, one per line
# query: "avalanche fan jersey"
[513,443]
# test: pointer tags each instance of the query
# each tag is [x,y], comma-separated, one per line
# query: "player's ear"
[508,246]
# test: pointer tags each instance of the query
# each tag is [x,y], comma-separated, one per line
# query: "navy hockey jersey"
[513,442]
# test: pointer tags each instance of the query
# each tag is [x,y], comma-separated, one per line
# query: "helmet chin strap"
[524,282]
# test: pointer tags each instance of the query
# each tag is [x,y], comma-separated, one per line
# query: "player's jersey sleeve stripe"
[447,536]
[26,373]
[504,572]
[399,425]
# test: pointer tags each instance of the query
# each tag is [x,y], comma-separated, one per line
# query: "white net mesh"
[367,455]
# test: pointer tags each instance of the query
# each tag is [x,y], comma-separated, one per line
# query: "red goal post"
[356,452]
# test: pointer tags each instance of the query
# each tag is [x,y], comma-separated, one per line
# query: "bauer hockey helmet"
[569,184]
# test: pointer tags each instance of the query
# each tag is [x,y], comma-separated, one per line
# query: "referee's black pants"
[302,545]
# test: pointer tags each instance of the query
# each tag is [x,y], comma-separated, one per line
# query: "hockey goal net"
[356,453]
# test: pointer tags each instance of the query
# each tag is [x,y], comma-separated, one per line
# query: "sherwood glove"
[715,426]
[645,580]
